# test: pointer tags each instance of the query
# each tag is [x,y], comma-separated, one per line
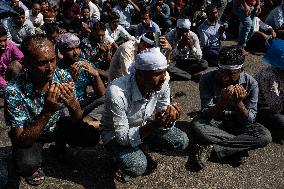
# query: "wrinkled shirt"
[11,53]
[165,15]
[210,94]
[275,18]
[17,34]
[122,59]
[124,15]
[94,11]
[271,89]
[209,35]
[153,27]
[114,35]
[23,103]
[172,39]
[126,110]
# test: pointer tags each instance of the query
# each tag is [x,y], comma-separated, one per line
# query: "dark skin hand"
[171,114]
[26,136]
[68,98]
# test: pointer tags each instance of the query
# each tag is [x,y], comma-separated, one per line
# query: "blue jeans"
[247,22]
[132,160]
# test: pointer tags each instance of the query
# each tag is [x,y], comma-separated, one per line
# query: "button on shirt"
[209,35]
[17,34]
[24,103]
[124,15]
[126,110]
[114,35]
[8,55]
[153,27]
[172,39]
[275,18]
[271,88]
[210,94]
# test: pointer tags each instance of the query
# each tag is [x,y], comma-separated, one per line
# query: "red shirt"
[249,2]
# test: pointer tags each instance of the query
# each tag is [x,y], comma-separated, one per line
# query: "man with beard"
[10,58]
[227,124]
[18,27]
[82,72]
[35,15]
[138,110]
[40,107]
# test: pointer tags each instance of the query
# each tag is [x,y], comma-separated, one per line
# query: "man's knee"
[180,140]
[264,136]
[134,165]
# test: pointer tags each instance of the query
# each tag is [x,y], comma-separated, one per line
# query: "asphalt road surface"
[92,168]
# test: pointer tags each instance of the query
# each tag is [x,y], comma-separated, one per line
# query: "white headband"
[147,40]
[230,67]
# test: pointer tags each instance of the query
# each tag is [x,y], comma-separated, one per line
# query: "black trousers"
[274,122]
[28,159]
[192,65]
[229,138]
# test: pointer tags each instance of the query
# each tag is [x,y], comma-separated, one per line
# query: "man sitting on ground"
[40,107]
[147,24]
[10,59]
[187,53]
[211,32]
[138,110]
[83,73]
[125,54]
[228,109]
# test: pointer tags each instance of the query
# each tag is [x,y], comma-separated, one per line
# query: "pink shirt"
[11,53]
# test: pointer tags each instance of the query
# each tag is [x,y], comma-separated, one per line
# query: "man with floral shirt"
[82,71]
[39,105]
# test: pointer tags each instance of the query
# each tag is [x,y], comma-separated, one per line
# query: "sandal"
[120,176]
[37,178]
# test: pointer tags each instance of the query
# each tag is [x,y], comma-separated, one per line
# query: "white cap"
[183,23]
[150,60]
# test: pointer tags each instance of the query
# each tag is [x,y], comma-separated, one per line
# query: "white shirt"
[34,19]
[94,11]
[126,110]
[118,32]
[122,59]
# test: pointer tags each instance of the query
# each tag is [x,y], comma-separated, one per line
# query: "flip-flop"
[120,176]
[37,178]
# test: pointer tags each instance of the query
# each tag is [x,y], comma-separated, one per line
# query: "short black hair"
[146,12]
[50,28]
[31,43]
[3,31]
[113,16]
[149,35]
[231,56]
[85,7]
[256,43]
[210,8]
[20,11]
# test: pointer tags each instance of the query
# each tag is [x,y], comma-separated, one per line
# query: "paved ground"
[91,168]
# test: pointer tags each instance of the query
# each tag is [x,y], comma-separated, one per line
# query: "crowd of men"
[77,72]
